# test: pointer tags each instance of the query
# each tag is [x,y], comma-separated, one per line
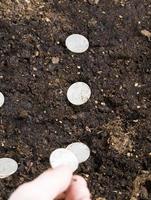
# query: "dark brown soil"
[37,117]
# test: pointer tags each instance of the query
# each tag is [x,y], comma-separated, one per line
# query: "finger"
[78,189]
[61,196]
[47,186]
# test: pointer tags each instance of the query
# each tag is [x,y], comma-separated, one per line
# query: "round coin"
[8,167]
[80,150]
[78,93]
[64,157]
[1,99]
[77,43]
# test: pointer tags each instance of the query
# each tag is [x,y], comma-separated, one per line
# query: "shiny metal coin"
[78,93]
[77,43]
[2,99]
[80,150]
[64,157]
[8,167]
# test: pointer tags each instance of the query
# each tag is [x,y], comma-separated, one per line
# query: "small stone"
[86,175]
[55,60]
[129,154]
[93,1]
[92,22]
[96,102]
[2,144]
[37,53]
[88,129]
[23,114]
[27,1]
[99,72]
[100,198]
[135,120]
[146,33]
[47,19]
[120,16]
[34,69]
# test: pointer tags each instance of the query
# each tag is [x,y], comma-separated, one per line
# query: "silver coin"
[77,43]
[64,157]
[78,93]
[80,150]
[2,99]
[8,167]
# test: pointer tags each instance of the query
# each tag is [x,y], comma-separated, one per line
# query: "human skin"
[54,183]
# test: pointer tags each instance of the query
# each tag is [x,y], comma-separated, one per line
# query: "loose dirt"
[36,69]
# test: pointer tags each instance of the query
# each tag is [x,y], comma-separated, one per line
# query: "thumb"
[47,186]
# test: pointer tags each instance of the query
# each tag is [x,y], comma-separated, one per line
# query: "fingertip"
[78,189]
[80,180]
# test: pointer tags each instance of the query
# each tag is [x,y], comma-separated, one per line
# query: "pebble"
[77,43]
[23,114]
[92,22]
[93,1]
[2,99]
[146,33]
[8,167]
[64,157]
[55,60]
[136,84]
[80,150]
[78,93]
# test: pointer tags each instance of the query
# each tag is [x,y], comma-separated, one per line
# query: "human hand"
[54,183]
